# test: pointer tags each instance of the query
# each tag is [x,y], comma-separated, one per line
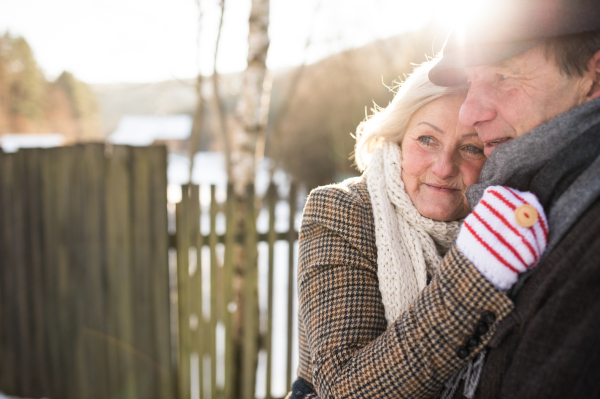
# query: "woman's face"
[440,160]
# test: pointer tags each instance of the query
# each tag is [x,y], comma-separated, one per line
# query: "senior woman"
[370,245]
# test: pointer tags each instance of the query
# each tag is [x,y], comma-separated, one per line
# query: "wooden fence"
[85,306]
[200,339]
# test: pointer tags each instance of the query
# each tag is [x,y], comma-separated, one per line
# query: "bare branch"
[216,103]
[195,136]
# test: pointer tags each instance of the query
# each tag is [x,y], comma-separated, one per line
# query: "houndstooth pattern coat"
[346,350]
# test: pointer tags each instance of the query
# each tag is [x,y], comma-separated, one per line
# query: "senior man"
[533,71]
[514,311]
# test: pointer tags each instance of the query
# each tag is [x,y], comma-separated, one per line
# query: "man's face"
[510,98]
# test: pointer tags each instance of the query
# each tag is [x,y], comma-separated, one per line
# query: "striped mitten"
[505,235]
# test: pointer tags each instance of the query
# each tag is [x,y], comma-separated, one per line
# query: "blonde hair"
[389,123]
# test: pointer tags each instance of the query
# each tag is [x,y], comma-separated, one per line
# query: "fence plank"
[212,242]
[183,246]
[39,386]
[196,240]
[23,276]
[9,353]
[271,203]
[157,194]
[49,196]
[142,258]
[250,318]
[230,238]
[95,338]
[290,300]
[70,274]
[4,203]
[20,231]
[121,352]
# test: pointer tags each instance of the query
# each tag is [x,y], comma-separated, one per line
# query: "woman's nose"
[445,166]
[477,107]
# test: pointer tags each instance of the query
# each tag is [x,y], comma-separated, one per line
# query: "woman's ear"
[594,75]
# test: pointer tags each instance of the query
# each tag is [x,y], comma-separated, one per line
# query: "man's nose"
[477,107]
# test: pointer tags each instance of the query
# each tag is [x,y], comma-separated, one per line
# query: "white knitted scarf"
[410,246]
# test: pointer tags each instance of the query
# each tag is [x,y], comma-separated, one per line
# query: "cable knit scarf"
[410,247]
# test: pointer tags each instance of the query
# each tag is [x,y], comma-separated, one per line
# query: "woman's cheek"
[414,160]
[471,171]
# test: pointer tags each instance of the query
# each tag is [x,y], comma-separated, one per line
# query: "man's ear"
[594,74]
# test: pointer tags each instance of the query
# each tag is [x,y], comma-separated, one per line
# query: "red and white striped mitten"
[505,235]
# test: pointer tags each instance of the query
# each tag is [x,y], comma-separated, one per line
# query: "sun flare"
[456,13]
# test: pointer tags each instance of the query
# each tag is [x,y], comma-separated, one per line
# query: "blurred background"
[137,100]
[87,70]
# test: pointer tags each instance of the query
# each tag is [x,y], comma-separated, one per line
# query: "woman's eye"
[473,150]
[425,140]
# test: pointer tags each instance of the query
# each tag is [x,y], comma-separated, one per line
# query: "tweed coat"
[346,348]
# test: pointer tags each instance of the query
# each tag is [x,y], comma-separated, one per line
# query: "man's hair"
[572,52]
[389,123]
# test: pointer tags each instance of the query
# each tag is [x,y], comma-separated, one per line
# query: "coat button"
[481,328]
[473,341]
[488,317]
[526,215]
[462,352]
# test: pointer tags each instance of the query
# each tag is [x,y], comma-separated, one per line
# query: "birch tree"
[248,121]
[248,126]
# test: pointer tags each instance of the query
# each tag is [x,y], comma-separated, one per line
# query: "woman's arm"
[352,353]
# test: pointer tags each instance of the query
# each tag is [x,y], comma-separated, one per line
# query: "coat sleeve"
[353,354]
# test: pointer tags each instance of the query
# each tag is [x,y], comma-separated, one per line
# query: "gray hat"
[508,28]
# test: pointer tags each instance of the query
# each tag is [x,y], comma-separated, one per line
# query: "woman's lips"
[441,188]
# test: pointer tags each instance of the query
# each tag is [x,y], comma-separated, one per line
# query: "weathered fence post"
[182,210]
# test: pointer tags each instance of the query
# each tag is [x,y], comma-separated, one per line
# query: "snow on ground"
[142,130]
[12,142]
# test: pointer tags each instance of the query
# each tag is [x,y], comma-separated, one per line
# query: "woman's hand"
[505,235]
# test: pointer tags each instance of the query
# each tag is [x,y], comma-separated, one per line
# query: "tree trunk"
[248,112]
[247,128]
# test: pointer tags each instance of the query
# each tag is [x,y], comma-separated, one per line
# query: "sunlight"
[456,13]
